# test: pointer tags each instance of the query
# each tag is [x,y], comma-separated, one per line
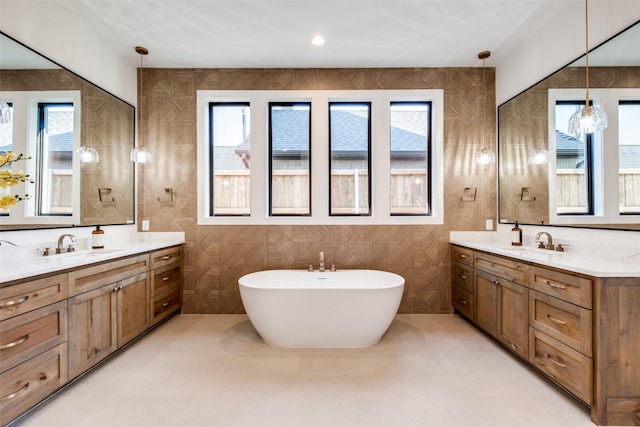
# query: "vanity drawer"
[462,255]
[462,276]
[165,278]
[27,384]
[166,256]
[26,296]
[27,335]
[502,267]
[568,287]
[568,323]
[462,301]
[165,304]
[87,279]
[569,368]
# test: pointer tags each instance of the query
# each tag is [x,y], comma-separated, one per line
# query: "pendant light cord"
[586,38]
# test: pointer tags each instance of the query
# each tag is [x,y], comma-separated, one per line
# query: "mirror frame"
[120,165]
[543,199]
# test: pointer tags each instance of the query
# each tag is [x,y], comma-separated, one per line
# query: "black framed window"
[629,157]
[289,158]
[350,158]
[229,159]
[410,158]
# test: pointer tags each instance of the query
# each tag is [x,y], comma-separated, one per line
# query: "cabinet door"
[486,314]
[513,317]
[92,332]
[133,309]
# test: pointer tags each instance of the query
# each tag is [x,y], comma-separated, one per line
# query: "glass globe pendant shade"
[588,120]
[539,156]
[5,112]
[87,154]
[140,155]
[485,157]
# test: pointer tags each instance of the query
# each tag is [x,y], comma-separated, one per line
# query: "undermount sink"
[86,253]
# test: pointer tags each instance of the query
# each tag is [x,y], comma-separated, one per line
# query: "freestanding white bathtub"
[341,309]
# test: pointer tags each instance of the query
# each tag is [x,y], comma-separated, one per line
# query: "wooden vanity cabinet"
[110,314]
[33,342]
[501,303]
[462,280]
[166,283]
[55,328]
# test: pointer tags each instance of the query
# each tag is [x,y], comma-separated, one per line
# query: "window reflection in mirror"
[574,164]
[6,145]
[54,158]
[45,129]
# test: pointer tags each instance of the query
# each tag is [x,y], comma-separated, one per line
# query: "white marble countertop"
[21,268]
[585,258]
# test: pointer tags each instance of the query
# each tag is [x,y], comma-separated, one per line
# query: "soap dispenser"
[97,238]
[516,239]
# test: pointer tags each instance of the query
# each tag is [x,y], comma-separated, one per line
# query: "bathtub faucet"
[321,268]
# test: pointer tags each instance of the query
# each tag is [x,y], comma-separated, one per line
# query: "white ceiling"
[358,33]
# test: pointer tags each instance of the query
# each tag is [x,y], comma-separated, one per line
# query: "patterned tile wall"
[216,256]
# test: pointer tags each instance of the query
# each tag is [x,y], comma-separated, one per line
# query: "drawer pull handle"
[554,320]
[555,362]
[166,303]
[12,395]
[462,276]
[14,302]
[461,301]
[514,346]
[164,279]
[15,343]
[555,285]
[166,257]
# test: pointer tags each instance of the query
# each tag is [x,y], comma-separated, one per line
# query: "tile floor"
[213,370]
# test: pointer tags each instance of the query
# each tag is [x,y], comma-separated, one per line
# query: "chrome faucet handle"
[540,244]
[561,246]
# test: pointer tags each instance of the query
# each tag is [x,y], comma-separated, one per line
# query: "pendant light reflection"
[486,156]
[139,154]
[540,156]
[5,112]
[588,119]
[86,154]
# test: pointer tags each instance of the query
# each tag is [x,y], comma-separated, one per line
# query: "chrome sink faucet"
[549,244]
[61,241]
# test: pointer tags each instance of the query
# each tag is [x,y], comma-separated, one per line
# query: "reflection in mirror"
[560,192]
[55,112]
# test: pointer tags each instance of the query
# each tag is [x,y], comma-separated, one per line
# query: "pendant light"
[539,156]
[85,153]
[588,119]
[139,154]
[486,156]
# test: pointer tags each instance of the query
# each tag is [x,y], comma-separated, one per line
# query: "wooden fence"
[349,188]
[571,192]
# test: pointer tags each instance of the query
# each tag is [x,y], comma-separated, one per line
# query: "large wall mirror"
[53,113]
[549,177]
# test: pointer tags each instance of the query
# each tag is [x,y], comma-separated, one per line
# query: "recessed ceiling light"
[318,41]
